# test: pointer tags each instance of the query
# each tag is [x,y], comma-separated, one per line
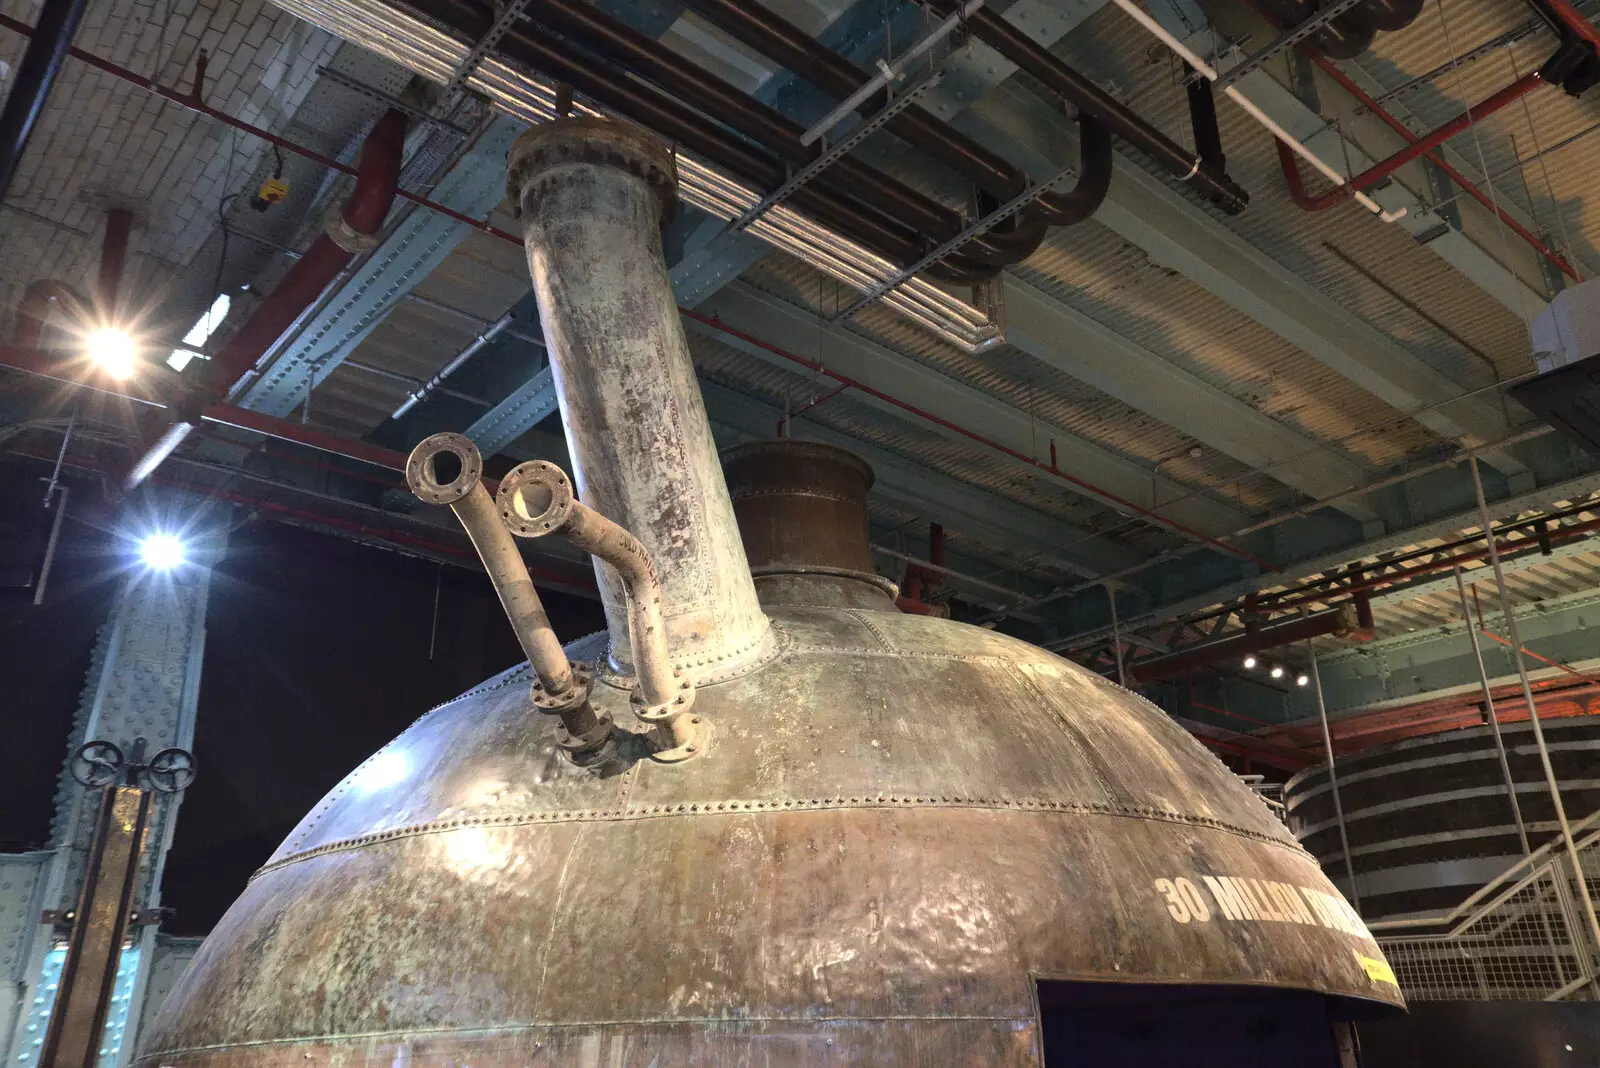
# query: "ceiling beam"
[1178,234]
[315,346]
[911,487]
[1066,339]
[949,401]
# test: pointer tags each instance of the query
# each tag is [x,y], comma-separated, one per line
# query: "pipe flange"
[422,474]
[573,697]
[692,739]
[535,498]
[603,142]
[590,746]
[674,720]
[346,236]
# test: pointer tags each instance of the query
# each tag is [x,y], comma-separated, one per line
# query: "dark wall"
[44,650]
[1484,1034]
[317,653]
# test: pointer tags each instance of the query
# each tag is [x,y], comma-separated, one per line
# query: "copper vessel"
[892,828]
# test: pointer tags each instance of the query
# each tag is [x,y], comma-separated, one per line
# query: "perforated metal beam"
[312,349]
[1070,341]
[767,317]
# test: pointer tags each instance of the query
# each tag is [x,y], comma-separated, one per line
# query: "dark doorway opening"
[1129,1025]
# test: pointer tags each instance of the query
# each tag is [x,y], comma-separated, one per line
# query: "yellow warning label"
[1378,970]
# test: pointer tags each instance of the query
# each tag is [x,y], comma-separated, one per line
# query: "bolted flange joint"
[584,733]
[681,733]
[551,146]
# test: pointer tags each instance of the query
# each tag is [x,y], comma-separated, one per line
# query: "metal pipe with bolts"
[536,499]
[1533,710]
[559,688]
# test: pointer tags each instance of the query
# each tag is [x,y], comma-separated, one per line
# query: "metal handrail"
[1537,863]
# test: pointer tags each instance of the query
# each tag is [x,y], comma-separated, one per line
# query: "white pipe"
[1189,56]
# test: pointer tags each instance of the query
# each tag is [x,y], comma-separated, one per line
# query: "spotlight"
[1249,662]
[1302,680]
[1277,671]
[113,351]
[162,552]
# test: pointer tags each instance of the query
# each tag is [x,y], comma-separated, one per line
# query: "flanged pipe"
[536,499]
[560,687]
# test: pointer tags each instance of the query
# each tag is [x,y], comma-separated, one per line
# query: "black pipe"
[47,50]
[1203,121]
[792,47]
[1038,61]
[649,59]
[645,104]
[1094,176]
[1349,35]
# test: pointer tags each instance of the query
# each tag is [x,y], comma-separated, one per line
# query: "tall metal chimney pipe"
[591,195]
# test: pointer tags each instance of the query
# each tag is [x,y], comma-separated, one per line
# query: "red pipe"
[113,255]
[1573,20]
[377,180]
[1093,490]
[193,102]
[1419,146]
[1362,97]
[1339,621]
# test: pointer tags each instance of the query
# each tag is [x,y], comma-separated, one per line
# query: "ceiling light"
[113,351]
[1302,680]
[162,552]
[1250,661]
[1277,671]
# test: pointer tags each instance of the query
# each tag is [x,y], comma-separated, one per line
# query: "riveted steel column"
[592,195]
[144,681]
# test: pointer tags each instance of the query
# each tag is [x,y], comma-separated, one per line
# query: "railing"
[1522,937]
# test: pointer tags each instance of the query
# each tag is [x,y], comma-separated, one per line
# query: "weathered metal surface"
[800,503]
[900,824]
[903,819]
[591,196]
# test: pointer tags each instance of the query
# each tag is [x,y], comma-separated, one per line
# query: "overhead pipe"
[787,44]
[558,689]
[1420,146]
[1347,35]
[1339,622]
[1185,165]
[1437,158]
[536,499]
[113,258]
[797,50]
[36,75]
[1193,59]
[649,106]
[348,232]
[646,57]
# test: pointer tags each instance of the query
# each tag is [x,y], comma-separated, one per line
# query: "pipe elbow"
[377,174]
[1094,177]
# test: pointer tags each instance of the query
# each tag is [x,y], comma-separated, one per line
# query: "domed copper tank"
[894,826]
